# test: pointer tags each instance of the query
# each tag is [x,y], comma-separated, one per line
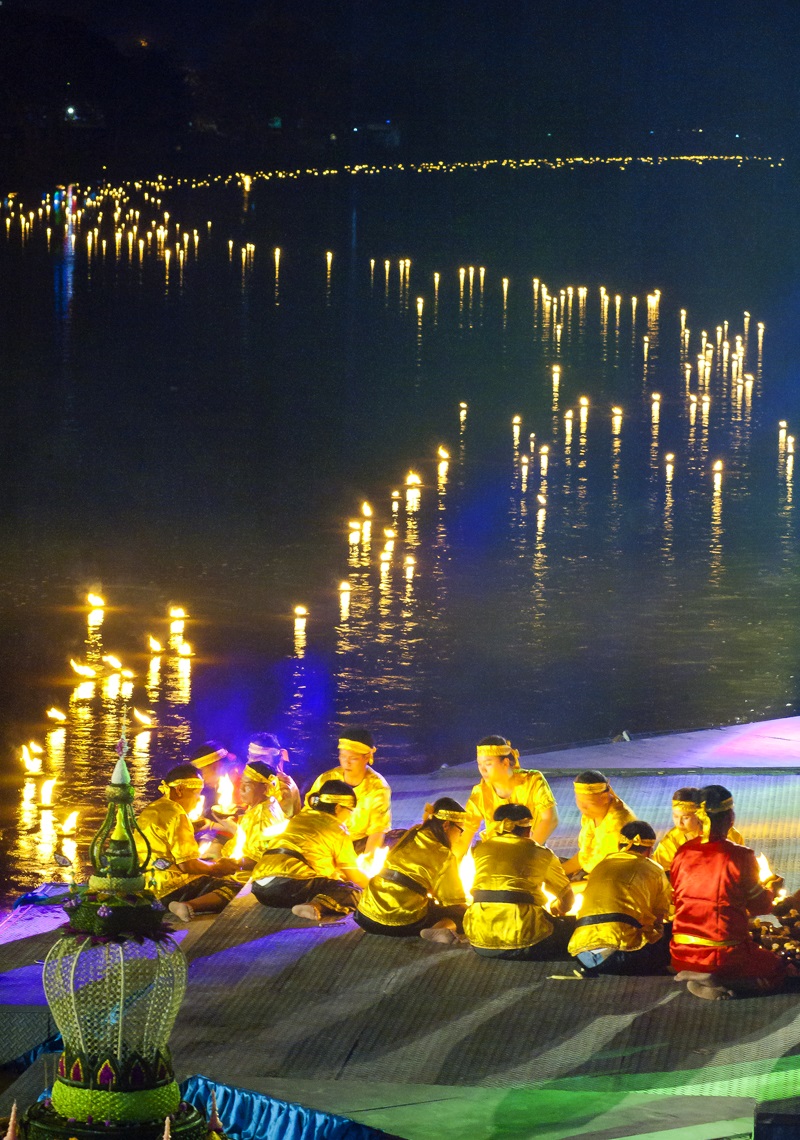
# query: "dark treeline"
[140,86]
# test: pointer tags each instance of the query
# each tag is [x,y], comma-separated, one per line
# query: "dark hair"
[331,788]
[359,735]
[497,741]
[182,772]
[262,768]
[690,795]
[436,826]
[207,748]
[590,776]
[520,814]
[640,828]
[264,740]
[712,796]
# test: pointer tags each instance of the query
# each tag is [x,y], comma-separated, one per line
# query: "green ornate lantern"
[114,982]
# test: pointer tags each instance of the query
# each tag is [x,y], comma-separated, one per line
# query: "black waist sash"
[518,897]
[287,851]
[403,881]
[593,919]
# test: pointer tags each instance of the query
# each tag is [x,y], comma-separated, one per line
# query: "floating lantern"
[443,453]
[114,662]
[82,670]
[366,510]
[413,479]
[300,612]
[143,718]
[177,612]
[155,646]
[56,714]
[95,601]
[69,824]
[185,649]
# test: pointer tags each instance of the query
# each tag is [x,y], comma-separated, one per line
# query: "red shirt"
[716,888]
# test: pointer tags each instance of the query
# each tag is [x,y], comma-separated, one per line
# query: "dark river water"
[202,433]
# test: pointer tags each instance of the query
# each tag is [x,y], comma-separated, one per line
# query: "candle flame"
[225,793]
[185,649]
[143,718]
[82,670]
[371,863]
[56,714]
[95,601]
[238,847]
[197,811]
[114,662]
[177,612]
[155,646]
[466,871]
[32,763]
[764,869]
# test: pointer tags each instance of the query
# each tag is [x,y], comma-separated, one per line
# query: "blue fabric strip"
[249,1115]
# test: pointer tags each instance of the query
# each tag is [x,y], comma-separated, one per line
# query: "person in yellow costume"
[258,790]
[504,782]
[507,917]
[685,804]
[621,928]
[372,817]
[418,890]
[603,815]
[186,882]
[266,746]
[311,867]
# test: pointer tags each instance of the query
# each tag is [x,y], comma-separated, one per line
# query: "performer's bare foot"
[182,911]
[307,910]
[693,976]
[442,931]
[710,991]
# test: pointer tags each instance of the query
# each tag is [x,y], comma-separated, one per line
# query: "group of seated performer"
[700,875]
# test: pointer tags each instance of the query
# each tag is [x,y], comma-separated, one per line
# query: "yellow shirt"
[170,834]
[512,863]
[254,822]
[373,802]
[629,884]
[529,788]
[421,857]
[596,840]
[324,850]
[673,841]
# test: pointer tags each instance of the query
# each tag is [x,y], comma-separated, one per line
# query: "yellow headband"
[685,805]
[210,758]
[252,774]
[193,782]
[704,812]
[508,825]
[502,751]
[591,789]
[328,798]
[357,747]
[637,841]
[450,816]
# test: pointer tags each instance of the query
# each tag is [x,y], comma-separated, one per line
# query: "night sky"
[682,65]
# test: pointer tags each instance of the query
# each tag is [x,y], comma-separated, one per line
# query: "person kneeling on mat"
[507,918]
[419,890]
[311,867]
[625,905]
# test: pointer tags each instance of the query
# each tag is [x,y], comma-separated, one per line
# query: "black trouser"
[435,914]
[550,949]
[332,896]
[203,885]
[651,959]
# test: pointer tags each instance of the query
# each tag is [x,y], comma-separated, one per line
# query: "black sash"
[287,851]
[518,897]
[403,881]
[593,919]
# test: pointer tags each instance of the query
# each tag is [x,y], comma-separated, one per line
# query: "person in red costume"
[716,889]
